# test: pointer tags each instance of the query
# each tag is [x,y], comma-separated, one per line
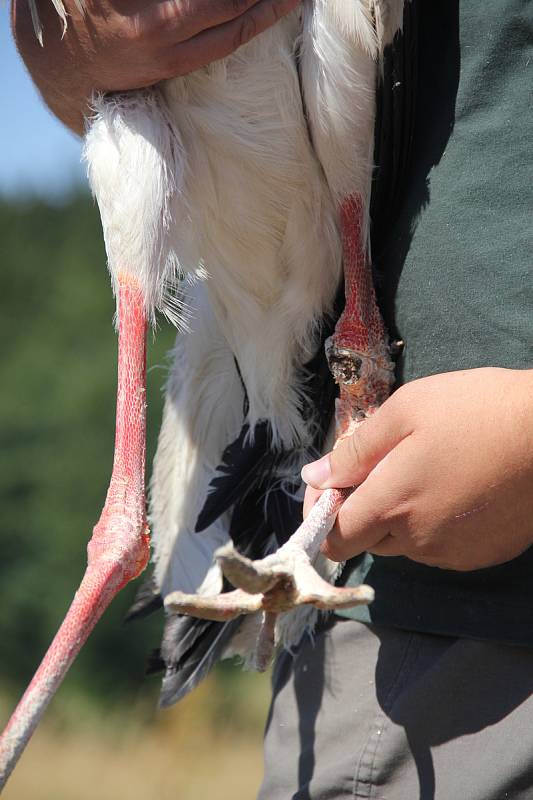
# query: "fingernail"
[318,473]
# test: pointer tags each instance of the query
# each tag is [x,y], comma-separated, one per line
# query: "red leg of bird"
[119,548]
[358,352]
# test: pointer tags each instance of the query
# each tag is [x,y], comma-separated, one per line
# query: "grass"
[208,745]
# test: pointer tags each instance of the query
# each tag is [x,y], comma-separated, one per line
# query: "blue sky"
[37,153]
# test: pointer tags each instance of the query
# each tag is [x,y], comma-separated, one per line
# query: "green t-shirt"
[455,276]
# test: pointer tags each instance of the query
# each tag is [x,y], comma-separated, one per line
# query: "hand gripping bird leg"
[119,548]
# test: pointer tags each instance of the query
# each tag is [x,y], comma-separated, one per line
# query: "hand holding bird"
[117,47]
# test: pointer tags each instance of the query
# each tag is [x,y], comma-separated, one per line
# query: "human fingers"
[222,40]
[372,518]
[355,456]
[175,22]
[310,498]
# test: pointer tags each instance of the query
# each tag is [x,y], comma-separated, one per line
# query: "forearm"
[65,91]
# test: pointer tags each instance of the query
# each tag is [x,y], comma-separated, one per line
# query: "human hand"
[118,45]
[444,472]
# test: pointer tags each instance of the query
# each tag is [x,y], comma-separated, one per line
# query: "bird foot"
[218,607]
[277,583]
[286,580]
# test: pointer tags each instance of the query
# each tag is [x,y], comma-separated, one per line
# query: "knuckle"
[154,29]
[354,447]
[356,452]
[158,19]
[398,512]
[383,515]
[400,398]
[425,550]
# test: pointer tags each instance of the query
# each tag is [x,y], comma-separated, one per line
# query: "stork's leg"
[119,548]
[358,355]
[358,352]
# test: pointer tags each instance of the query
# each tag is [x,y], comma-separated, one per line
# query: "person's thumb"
[355,456]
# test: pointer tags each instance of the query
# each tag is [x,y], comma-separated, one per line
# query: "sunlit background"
[37,154]
[102,737]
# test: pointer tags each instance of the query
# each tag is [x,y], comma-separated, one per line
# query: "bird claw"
[219,607]
[275,584]
[286,580]
[253,577]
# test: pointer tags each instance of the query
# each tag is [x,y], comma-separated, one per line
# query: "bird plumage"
[227,197]
[233,176]
[220,192]
[246,133]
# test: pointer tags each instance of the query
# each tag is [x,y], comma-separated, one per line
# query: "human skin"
[444,473]
[118,45]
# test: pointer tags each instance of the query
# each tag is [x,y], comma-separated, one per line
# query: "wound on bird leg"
[357,352]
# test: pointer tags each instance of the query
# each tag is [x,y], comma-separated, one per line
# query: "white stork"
[230,200]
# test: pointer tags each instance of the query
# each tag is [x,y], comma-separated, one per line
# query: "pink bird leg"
[119,548]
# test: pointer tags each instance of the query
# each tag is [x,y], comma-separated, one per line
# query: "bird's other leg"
[119,548]
[358,352]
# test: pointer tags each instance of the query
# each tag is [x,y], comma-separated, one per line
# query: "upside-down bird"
[232,201]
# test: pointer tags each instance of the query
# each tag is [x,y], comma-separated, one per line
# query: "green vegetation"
[189,752]
[57,403]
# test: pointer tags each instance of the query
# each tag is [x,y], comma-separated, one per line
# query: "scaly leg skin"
[358,356]
[119,548]
[358,352]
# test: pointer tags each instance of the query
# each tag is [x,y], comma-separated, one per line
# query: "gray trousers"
[392,715]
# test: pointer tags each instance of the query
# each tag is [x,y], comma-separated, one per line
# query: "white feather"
[339,52]
[341,55]
[60,8]
[388,16]
[253,186]
[352,20]
[136,164]
[203,413]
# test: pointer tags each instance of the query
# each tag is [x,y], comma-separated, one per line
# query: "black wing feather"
[261,482]
[242,462]
[147,600]
[190,648]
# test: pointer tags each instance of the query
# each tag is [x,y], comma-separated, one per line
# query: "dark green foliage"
[57,405]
